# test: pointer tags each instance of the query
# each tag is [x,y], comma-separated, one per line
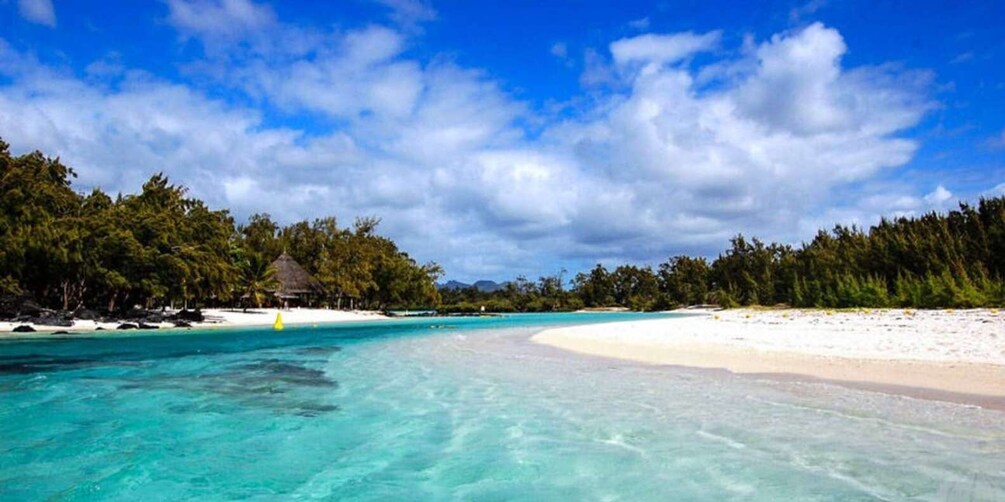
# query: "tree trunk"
[80,298]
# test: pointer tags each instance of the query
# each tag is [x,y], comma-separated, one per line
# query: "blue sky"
[504,138]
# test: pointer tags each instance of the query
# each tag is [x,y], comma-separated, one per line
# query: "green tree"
[258,278]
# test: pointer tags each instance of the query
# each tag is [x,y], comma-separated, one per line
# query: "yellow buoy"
[278,325]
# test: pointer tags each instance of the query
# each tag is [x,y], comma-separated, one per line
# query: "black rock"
[61,332]
[86,315]
[189,315]
[135,314]
[30,308]
[10,306]
[144,325]
[52,319]
[13,306]
[126,326]
[156,318]
[23,329]
[182,324]
[99,328]
[7,311]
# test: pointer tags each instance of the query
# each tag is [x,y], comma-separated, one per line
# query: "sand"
[222,318]
[944,351]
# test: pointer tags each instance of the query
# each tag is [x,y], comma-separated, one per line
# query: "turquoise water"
[469,409]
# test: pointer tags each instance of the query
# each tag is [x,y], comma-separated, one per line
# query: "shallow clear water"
[469,409]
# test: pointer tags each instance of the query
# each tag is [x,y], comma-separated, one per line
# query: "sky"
[522,137]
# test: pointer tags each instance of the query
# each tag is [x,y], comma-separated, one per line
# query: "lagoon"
[434,409]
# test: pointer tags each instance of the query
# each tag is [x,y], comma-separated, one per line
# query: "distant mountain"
[452,285]
[483,286]
[488,286]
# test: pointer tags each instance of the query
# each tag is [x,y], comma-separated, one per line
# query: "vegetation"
[159,247]
[547,294]
[936,260]
[68,250]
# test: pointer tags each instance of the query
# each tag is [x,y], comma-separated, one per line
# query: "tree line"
[956,259]
[68,250]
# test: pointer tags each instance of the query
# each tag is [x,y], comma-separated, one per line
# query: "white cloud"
[659,165]
[796,14]
[38,11]
[662,49]
[939,197]
[220,20]
[596,70]
[358,75]
[997,191]
[800,87]
[740,158]
[408,13]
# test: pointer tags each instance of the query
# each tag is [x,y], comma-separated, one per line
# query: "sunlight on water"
[467,408]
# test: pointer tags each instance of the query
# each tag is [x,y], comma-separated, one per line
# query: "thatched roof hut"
[294,281]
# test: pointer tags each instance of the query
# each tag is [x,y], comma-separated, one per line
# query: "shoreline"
[214,318]
[956,356]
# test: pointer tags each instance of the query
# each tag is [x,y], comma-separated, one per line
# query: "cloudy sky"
[525,136]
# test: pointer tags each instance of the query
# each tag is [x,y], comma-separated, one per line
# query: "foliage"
[936,260]
[258,277]
[160,246]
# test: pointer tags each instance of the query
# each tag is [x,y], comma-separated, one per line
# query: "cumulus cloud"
[658,164]
[939,197]
[38,11]
[800,87]
[357,75]
[740,157]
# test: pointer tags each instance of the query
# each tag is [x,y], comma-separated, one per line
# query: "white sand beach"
[261,317]
[949,351]
[221,318]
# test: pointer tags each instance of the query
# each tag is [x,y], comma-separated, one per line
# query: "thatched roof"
[293,279]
